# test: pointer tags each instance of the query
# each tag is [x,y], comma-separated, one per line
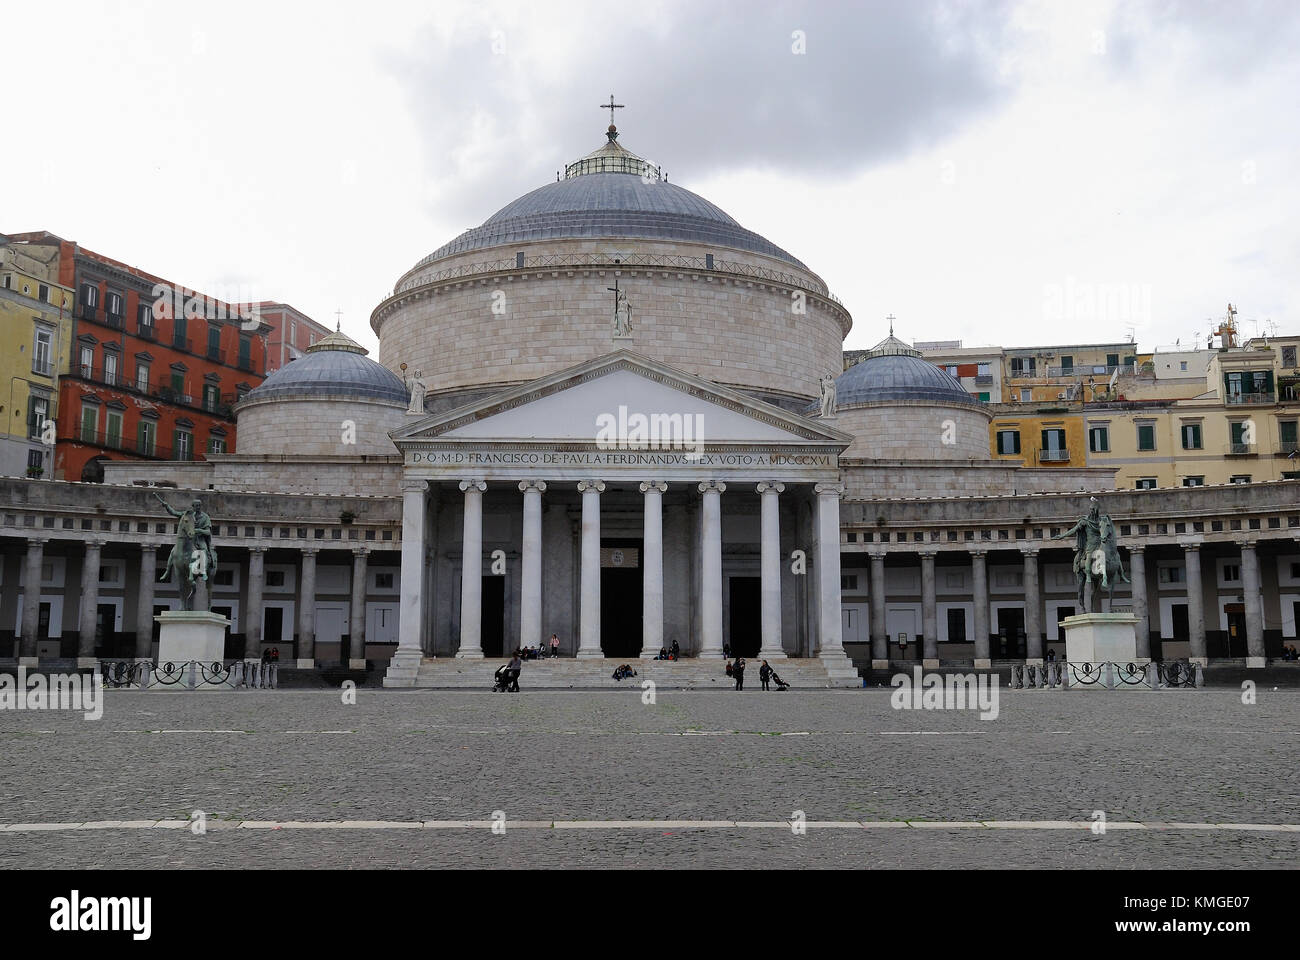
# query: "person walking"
[512,673]
[555,646]
[764,675]
[676,651]
[738,671]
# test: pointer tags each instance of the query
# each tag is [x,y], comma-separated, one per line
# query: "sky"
[1011,173]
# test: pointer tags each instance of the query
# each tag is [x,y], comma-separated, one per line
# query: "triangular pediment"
[574,405]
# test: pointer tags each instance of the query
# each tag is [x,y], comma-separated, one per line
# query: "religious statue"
[1096,553]
[415,384]
[828,396]
[192,558]
[622,315]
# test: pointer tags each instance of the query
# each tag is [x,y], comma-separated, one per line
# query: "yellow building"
[1039,436]
[35,346]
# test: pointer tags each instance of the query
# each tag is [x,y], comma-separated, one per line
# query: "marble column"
[405,664]
[471,573]
[830,611]
[88,606]
[31,600]
[652,568]
[876,597]
[1137,573]
[929,613]
[307,610]
[530,586]
[980,580]
[711,568]
[1195,603]
[1254,604]
[253,611]
[357,613]
[589,608]
[1033,609]
[770,569]
[144,603]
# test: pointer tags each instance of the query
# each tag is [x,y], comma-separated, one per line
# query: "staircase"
[566,673]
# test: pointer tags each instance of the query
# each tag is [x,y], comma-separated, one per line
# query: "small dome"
[893,372]
[337,366]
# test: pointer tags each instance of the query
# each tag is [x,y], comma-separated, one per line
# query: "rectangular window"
[178,382]
[245,353]
[1146,436]
[982,397]
[1237,431]
[1241,478]
[211,397]
[1146,483]
[142,377]
[216,445]
[40,412]
[214,342]
[110,367]
[1231,573]
[113,428]
[1288,357]
[1193,481]
[1008,441]
[89,422]
[113,307]
[182,445]
[87,362]
[1053,445]
[1191,436]
[145,435]
[1112,359]
[89,295]
[983,370]
[1099,439]
[43,352]
[35,460]
[1067,365]
[1287,434]
[956,625]
[1172,575]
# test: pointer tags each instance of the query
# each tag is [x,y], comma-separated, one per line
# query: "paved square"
[298,778]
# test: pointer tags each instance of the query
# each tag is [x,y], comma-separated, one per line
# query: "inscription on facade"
[471,458]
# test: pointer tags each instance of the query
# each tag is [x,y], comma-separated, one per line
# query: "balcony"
[1053,456]
[146,331]
[114,320]
[43,367]
[183,343]
[1241,449]
[216,354]
[1236,399]
[89,312]
[1288,448]
[1091,370]
[984,380]
[131,446]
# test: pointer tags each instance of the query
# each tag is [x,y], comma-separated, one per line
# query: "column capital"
[1247,544]
[770,486]
[358,553]
[978,552]
[1190,545]
[877,553]
[415,486]
[713,485]
[37,542]
[309,551]
[95,544]
[526,485]
[658,486]
[150,548]
[1135,547]
[1029,552]
[255,548]
[476,484]
[585,485]
[827,489]
[927,553]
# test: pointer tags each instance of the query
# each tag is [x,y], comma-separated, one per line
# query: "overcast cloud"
[959,166]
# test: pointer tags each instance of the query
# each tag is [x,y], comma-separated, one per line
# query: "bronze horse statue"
[192,558]
[1096,554]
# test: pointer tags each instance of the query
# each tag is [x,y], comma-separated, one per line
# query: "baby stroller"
[780,684]
[504,679]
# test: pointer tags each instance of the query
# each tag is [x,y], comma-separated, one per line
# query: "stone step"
[566,673]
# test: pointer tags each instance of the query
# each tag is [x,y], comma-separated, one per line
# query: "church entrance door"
[745,621]
[621,598]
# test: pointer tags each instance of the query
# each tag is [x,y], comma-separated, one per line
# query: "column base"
[983,663]
[1034,662]
[879,664]
[930,664]
[305,663]
[87,663]
[469,654]
[1199,661]
[772,655]
[1256,663]
[356,664]
[590,655]
[29,661]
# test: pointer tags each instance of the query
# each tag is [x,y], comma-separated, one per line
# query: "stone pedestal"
[187,635]
[1098,638]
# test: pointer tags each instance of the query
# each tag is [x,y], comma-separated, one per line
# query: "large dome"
[612,205]
[893,372]
[337,366]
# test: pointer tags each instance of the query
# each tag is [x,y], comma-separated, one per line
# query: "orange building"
[154,370]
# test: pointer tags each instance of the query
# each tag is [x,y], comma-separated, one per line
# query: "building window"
[87,362]
[1286,431]
[35,461]
[216,445]
[40,412]
[144,320]
[43,352]
[1099,439]
[1231,573]
[110,367]
[951,370]
[89,295]
[182,445]
[211,397]
[214,342]
[1191,436]
[1182,365]
[956,625]
[849,581]
[1146,436]
[982,397]
[245,353]
[142,377]
[113,428]
[1067,365]
[113,307]
[1241,478]
[1288,357]
[1053,445]
[1112,360]
[89,422]
[1022,366]
[1146,483]
[1193,481]
[1238,436]
[145,436]
[1008,441]
[984,370]
[1172,575]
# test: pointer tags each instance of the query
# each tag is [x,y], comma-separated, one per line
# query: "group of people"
[623,672]
[766,675]
[271,655]
[666,653]
[1289,652]
[551,648]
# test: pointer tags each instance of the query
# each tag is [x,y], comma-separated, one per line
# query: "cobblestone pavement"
[1189,756]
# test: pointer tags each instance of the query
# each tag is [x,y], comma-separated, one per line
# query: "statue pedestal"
[187,635]
[622,338]
[1097,638]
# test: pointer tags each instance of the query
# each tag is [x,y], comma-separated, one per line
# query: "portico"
[668,514]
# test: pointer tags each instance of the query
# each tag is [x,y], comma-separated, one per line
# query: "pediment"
[581,404]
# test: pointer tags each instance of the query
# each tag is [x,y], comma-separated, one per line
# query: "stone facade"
[915,431]
[318,427]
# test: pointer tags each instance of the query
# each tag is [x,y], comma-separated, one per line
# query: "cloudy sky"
[1010,173]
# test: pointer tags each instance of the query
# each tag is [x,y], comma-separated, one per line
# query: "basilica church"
[613,414]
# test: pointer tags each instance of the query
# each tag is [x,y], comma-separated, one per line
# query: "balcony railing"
[114,320]
[43,368]
[1288,448]
[1091,370]
[146,331]
[1250,398]
[167,394]
[1053,456]
[88,312]
[1240,449]
[216,354]
[131,446]
[182,343]
[984,380]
